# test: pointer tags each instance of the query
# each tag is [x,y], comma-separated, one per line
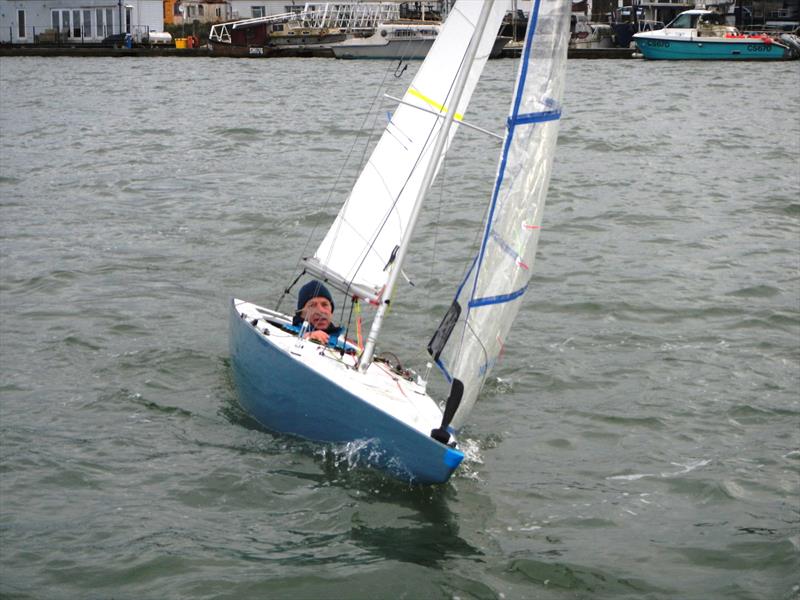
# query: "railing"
[350,17]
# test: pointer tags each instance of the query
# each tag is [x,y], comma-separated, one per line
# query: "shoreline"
[83,51]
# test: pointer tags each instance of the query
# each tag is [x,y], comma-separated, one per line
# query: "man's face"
[318,311]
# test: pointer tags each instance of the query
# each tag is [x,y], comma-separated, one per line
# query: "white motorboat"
[410,40]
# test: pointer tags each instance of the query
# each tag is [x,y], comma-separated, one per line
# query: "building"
[76,21]
[202,11]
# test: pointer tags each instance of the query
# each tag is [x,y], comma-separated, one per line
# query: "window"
[100,20]
[200,9]
[128,19]
[55,19]
[21,24]
[76,24]
[258,11]
[684,21]
[87,24]
[218,12]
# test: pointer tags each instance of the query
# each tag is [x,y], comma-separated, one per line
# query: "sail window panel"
[375,218]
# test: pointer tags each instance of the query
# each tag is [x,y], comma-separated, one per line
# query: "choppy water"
[641,438]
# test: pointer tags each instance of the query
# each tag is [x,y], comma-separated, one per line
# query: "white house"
[25,21]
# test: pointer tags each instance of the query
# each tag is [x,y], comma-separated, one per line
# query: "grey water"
[639,439]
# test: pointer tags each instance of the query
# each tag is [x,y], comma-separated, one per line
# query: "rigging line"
[370,113]
[363,161]
[288,289]
[459,118]
[349,321]
[467,327]
[425,145]
[378,231]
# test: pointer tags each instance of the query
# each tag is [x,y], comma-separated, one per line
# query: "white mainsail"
[360,245]
[471,337]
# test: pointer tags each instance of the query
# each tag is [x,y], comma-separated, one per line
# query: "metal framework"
[347,17]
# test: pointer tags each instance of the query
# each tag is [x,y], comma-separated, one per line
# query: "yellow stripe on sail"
[433,103]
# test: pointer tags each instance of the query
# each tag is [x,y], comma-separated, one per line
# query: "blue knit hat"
[313,289]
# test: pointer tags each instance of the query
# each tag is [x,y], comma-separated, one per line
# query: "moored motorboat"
[411,40]
[703,35]
[587,35]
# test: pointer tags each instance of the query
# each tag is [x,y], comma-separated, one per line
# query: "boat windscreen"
[712,19]
[683,21]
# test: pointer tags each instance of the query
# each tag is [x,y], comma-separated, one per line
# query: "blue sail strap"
[506,247]
[444,370]
[535,117]
[489,300]
[466,277]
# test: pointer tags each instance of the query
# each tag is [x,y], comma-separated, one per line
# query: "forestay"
[358,250]
[471,337]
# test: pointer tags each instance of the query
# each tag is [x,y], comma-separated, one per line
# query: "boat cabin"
[691,18]
[705,22]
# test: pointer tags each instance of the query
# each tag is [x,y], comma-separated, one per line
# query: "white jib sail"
[490,296]
[373,221]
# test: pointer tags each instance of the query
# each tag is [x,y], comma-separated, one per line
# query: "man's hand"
[318,336]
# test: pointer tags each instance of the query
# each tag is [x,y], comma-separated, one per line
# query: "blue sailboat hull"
[286,396]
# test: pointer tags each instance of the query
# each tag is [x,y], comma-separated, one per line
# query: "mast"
[430,171]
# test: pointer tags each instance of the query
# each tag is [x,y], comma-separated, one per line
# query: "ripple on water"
[580,579]
[660,331]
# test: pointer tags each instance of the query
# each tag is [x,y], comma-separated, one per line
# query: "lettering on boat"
[658,43]
[256,51]
[759,48]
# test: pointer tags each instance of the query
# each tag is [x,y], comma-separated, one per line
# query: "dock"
[205,51]
[98,51]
